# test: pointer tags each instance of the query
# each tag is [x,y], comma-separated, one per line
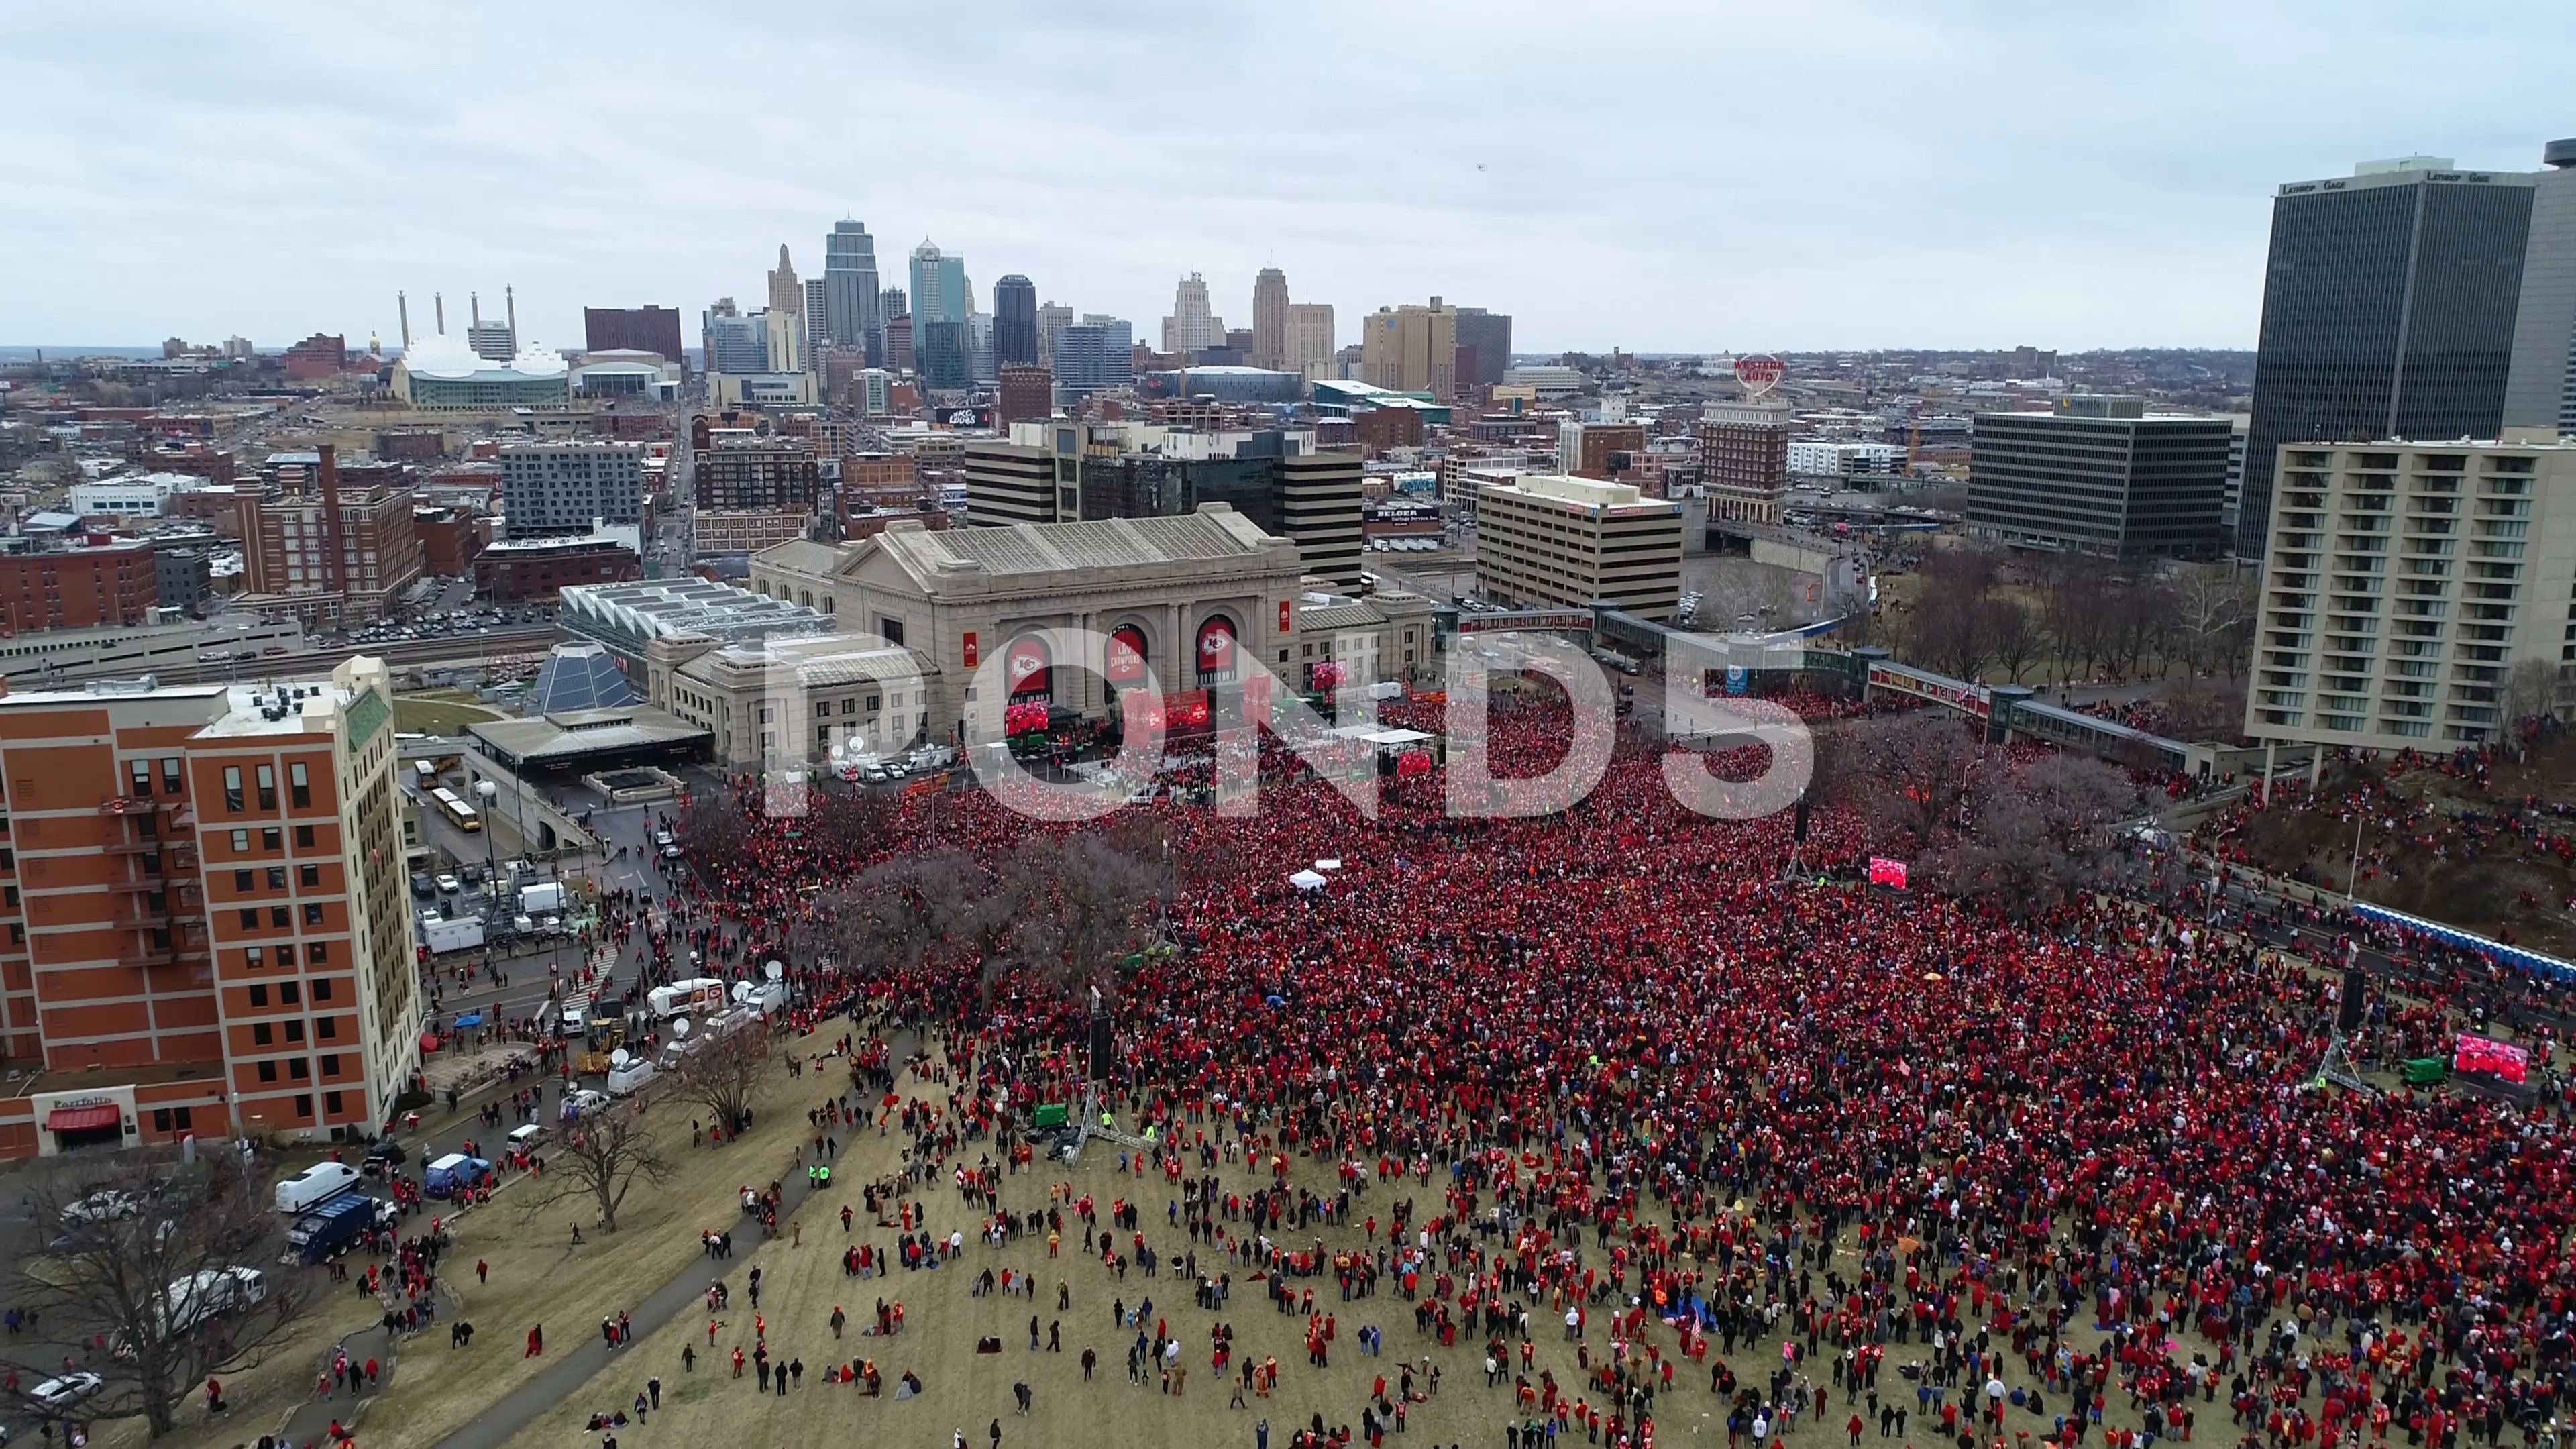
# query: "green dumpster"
[1049,1114]
[2424,1071]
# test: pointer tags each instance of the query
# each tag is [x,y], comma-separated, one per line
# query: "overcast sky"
[1684,176]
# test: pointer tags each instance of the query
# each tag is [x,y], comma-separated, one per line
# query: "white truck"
[543,898]
[206,1294]
[445,935]
[693,997]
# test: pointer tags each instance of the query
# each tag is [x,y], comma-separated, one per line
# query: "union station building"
[1186,602]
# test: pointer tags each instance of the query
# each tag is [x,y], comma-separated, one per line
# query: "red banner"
[1216,646]
[969,649]
[1287,615]
[1883,871]
[2501,1060]
[1126,663]
[1025,663]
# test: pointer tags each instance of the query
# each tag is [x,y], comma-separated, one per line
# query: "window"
[142,780]
[280,916]
[315,954]
[295,1031]
[327,1028]
[10,895]
[303,1100]
[260,1034]
[277,877]
[17,934]
[241,842]
[331,1068]
[308,875]
[269,839]
[312,913]
[304,837]
[250,918]
[252,957]
[267,787]
[331,1102]
[160,1119]
[232,790]
[241,880]
[822,709]
[268,1071]
[171,782]
[298,789]
[259,995]
[301,1070]
[286,993]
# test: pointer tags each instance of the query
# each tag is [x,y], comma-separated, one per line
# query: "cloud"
[1658,176]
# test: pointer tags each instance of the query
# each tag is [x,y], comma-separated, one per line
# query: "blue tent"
[2493,950]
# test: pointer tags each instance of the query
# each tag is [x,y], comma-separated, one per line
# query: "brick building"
[1744,460]
[318,356]
[328,554]
[449,539]
[737,468]
[97,580]
[1028,393]
[641,329]
[519,570]
[206,925]
[1379,429]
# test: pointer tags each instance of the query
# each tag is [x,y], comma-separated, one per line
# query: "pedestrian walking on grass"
[536,1341]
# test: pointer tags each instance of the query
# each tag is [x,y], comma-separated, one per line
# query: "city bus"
[460,814]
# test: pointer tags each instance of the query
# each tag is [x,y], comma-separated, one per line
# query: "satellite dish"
[680,1027]
[618,1059]
[776,971]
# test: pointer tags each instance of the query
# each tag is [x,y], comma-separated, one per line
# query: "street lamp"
[487,790]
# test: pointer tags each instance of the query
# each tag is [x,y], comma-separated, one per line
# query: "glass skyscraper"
[2388,312]
[850,286]
[1092,355]
[938,287]
[1015,323]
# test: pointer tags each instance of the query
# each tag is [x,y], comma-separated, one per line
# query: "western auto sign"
[1883,871]
[1126,663]
[2501,1060]
[1025,665]
[1940,690]
[1216,646]
[1759,373]
[968,650]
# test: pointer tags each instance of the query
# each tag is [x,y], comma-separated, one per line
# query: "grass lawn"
[442,712]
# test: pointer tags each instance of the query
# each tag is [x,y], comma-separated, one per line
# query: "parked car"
[104,1206]
[422,886]
[449,885]
[60,1394]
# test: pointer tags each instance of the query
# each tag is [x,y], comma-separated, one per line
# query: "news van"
[695,996]
[314,1186]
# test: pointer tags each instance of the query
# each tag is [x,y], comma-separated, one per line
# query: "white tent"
[1307,880]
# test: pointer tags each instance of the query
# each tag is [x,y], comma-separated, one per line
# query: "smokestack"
[441,299]
[510,298]
[402,305]
[475,299]
[334,569]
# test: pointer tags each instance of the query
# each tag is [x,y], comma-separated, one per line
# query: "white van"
[627,1080]
[526,1136]
[314,1186]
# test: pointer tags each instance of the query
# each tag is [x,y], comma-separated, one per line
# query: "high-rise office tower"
[2541,390]
[1270,319]
[1484,346]
[733,342]
[786,294]
[979,348]
[818,316]
[1412,349]
[850,286]
[1310,339]
[2388,312]
[1192,325]
[940,354]
[1053,318]
[893,302]
[1015,322]
[938,287]
[1098,352]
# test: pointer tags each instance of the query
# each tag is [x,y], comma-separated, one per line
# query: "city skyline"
[1761,213]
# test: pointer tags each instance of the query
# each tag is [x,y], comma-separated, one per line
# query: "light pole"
[488,790]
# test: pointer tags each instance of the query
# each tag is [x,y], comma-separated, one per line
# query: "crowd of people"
[1617,1070]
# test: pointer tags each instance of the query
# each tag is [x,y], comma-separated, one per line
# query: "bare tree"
[163,1273]
[720,1072]
[1909,775]
[2040,834]
[600,1156]
[2528,689]
[2016,640]
[1949,632]
[714,830]
[2213,615]
[1096,905]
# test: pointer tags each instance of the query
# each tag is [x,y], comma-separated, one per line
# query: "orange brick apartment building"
[203,925]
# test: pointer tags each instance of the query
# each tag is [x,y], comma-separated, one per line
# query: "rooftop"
[1214,532]
[574,733]
[657,609]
